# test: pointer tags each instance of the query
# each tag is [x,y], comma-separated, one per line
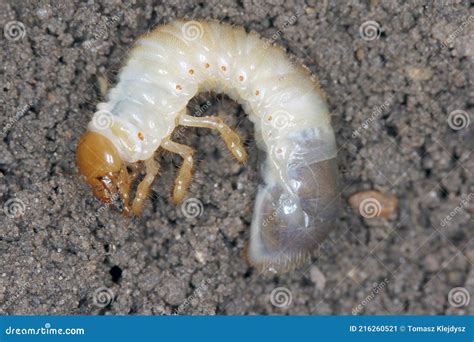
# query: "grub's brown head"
[99,162]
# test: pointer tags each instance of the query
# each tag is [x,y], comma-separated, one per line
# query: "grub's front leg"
[152,168]
[183,179]
[124,183]
[230,137]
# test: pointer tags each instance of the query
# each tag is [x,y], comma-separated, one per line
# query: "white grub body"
[170,65]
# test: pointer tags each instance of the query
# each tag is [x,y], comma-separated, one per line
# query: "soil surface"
[398,76]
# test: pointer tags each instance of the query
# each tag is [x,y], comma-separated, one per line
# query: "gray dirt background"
[64,254]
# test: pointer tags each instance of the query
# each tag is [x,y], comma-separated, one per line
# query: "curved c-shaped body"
[295,207]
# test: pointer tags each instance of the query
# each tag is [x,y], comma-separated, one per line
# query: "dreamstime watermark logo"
[463,204]
[103,297]
[19,291]
[192,30]
[192,208]
[370,30]
[115,197]
[199,111]
[456,32]
[458,119]
[42,7]
[439,4]
[283,202]
[14,208]
[47,329]
[377,288]
[284,98]
[458,297]
[375,113]
[102,29]
[203,286]
[290,21]
[14,30]
[281,119]
[370,208]
[12,120]
[281,297]
[103,119]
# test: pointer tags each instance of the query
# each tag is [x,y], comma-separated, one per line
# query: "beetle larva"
[297,204]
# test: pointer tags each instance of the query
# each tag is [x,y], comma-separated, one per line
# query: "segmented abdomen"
[170,65]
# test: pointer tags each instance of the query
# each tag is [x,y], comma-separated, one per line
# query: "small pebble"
[419,74]
[317,277]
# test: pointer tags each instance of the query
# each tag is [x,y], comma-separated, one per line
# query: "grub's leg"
[183,179]
[126,190]
[231,138]
[143,188]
